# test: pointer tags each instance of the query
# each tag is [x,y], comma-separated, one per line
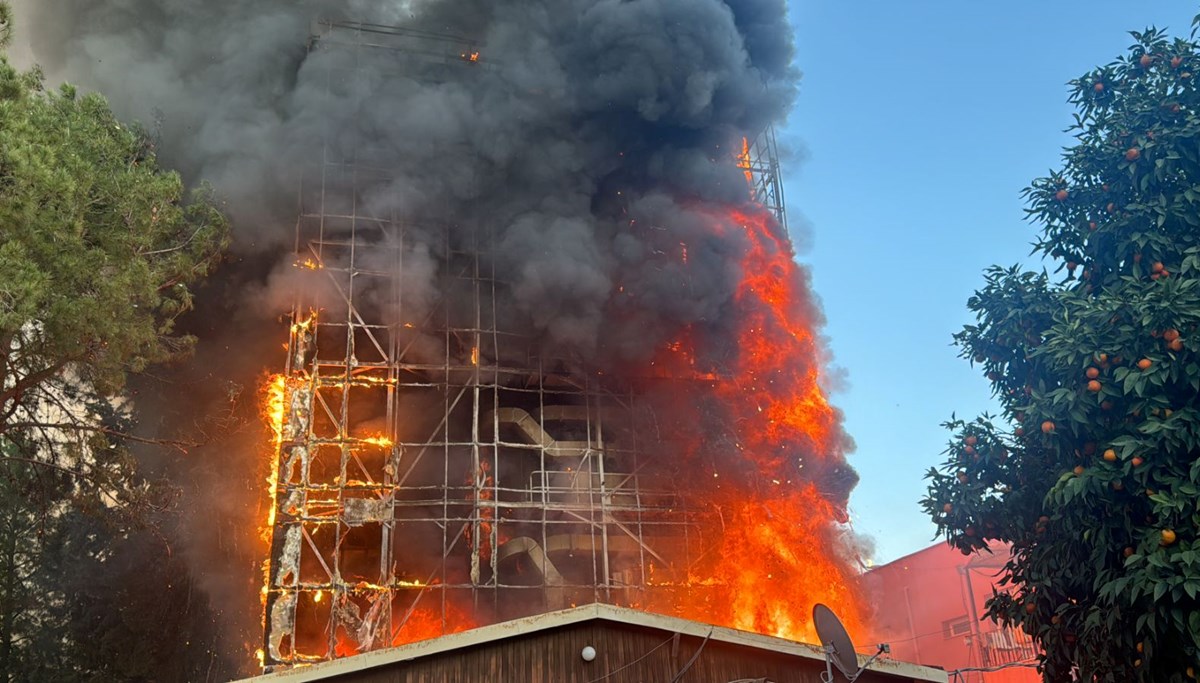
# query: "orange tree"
[1092,472]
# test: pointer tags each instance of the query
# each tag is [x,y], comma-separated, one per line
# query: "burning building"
[548,341]
[446,457]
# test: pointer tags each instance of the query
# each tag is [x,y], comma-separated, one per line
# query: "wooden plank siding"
[624,654]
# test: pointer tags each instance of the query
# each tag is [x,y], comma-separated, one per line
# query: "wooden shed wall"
[624,654]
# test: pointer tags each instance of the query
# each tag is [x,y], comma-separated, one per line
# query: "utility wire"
[694,658]
[618,670]
[957,674]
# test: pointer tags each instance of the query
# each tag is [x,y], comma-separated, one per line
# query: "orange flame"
[743,162]
[780,354]
[782,548]
[426,623]
[276,405]
[276,392]
[781,555]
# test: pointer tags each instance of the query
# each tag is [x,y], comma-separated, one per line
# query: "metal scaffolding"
[436,469]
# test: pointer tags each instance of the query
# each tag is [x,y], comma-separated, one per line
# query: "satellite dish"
[839,649]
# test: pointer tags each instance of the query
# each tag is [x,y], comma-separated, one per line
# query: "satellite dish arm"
[883,648]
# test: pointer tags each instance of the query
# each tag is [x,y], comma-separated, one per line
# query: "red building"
[929,605]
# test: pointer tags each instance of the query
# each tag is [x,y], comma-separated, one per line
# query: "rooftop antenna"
[837,646]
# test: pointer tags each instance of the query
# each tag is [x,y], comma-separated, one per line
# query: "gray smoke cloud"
[592,137]
[586,138]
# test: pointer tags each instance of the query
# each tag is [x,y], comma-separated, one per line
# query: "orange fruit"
[1111,207]
[1117,486]
[971,440]
[1106,405]
[947,508]
[1146,61]
[1136,461]
[1078,470]
[1099,87]
[1127,552]
[1110,455]
[1061,195]
[1020,431]
[1132,154]
[1157,267]
[1145,363]
[1091,225]
[1102,358]
[1140,648]
[1176,61]
[1171,334]
[1030,608]
[1168,537]
[1047,427]
[1092,373]
[1175,344]
[1093,386]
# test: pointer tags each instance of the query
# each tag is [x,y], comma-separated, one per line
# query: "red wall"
[928,607]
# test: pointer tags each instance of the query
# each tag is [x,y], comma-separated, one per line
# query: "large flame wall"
[707,482]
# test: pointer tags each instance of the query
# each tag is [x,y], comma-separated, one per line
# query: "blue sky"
[918,124]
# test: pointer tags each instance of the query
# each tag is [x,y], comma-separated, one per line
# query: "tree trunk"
[8,601]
